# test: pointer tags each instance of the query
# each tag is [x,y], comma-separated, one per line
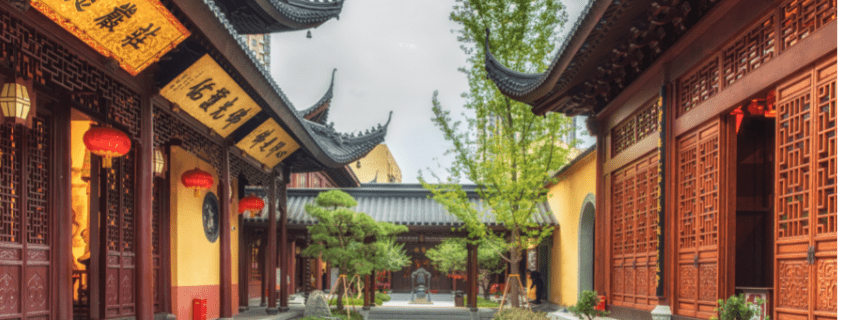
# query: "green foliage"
[483,303]
[520,314]
[381,296]
[737,308]
[449,256]
[500,145]
[339,314]
[356,301]
[352,241]
[585,307]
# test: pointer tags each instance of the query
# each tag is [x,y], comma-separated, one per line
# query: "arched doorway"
[585,243]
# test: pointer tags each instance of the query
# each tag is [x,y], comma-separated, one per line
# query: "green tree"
[500,146]
[450,257]
[351,241]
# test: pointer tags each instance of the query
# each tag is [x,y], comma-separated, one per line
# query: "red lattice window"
[699,86]
[636,127]
[10,177]
[634,223]
[800,18]
[128,206]
[826,151]
[697,219]
[750,51]
[38,179]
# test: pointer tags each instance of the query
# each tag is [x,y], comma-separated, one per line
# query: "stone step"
[419,313]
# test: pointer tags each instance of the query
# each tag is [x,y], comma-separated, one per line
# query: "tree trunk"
[340,288]
[484,282]
[516,284]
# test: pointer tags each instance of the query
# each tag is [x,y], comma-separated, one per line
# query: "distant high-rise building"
[260,44]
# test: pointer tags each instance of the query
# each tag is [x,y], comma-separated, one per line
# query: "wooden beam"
[63,216]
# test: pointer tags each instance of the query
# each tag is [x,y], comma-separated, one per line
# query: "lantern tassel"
[197,192]
[107,162]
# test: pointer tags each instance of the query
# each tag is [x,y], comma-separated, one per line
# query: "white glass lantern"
[15,102]
[158,162]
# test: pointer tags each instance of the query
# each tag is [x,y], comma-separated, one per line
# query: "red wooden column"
[284,295]
[472,276]
[263,288]
[367,298]
[225,283]
[62,136]
[271,250]
[372,287]
[244,266]
[144,207]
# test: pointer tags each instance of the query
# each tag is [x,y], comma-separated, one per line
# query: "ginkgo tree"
[352,241]
[499,144]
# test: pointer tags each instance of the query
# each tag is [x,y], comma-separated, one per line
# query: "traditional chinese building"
[130,133]
[716,150]
[406,204]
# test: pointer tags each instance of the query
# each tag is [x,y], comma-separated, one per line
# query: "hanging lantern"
[739,116]
[107,143]
[158,162]
[309,35]
[197,179]
[15,102]
[253,204]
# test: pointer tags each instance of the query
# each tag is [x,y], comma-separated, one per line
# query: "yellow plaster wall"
[194,260]
[566,198]
[378,162]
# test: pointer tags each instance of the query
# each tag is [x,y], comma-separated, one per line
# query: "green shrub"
[585,307]
[382,296]
[520,314]
[737,308]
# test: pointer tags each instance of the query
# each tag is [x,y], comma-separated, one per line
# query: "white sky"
[389,55]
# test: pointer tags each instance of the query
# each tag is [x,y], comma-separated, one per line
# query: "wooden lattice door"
[25,220]
[117,234]
[702,219]
[806,268]
[634,214]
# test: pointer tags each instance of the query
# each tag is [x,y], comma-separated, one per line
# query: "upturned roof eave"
[297,14]
[213,23]
[534,86]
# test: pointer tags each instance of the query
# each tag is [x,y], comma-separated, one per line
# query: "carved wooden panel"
[636,127]
[806,189]
[699,85]
[634,223]
[750,51]
[698,220]
[119,247]
[25,216]
[800,18]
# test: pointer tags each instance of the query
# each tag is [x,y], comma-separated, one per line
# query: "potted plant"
[585,307]
[737,308]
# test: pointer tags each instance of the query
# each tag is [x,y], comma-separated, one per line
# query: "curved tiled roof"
[519,85]
[319,111]
[405,204]
[330,148]
[270,16]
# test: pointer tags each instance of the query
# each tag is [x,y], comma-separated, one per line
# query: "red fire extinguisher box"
[199,309]
[601,305]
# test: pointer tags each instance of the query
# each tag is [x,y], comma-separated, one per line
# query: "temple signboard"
[134,32]
[206,92]
[268,143]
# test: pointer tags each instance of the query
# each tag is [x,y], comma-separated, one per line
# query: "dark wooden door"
[634,203]
[701,219]
[806,268]
[25,219]
[117,245]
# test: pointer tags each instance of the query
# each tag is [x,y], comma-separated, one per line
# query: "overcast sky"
[390,55]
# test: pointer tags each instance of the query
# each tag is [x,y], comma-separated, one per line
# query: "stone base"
[243,308]
[283,309]
[420,301]
[271,311]
[661,313]
[263,304]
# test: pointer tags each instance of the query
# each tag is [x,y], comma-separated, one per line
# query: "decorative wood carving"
[8,294]
[634,222]
[36,293]
[750,51]
[800,18]
[698,86]
[806,176]
[687,282]
[635,128]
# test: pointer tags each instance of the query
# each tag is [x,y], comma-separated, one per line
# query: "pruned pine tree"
[499,145]
[351,241]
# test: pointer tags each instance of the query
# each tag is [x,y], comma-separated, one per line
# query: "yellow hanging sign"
[268,143]
[207,93]
[135,32]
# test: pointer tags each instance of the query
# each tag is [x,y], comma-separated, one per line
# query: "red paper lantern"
[253,204]
[107,143]
[197,179]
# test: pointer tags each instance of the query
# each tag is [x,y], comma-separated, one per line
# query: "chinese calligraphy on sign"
[207,93]
[268,143]
[135,32]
